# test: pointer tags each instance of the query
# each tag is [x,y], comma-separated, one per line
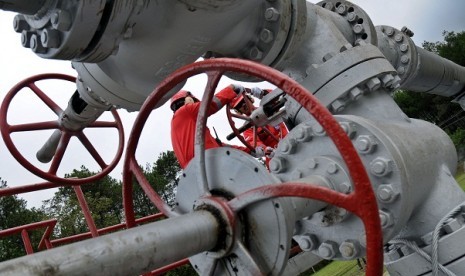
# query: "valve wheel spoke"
[64,135]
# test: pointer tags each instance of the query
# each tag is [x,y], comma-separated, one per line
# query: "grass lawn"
[340,268]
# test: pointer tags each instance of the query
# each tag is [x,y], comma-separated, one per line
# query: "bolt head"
[365,144]
[327,250]
[271,14]
[338,105]
[352,17]
[341,9]
[277,164]
[349,249]
[255,53]
[404,59]
[266,36]
[358,28]
[380,167]
[373,84]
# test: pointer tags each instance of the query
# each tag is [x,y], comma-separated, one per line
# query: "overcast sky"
[427,19]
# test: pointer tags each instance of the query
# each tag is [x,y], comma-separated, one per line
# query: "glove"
[239,89]
[257,92]
[258,153]
[269,152]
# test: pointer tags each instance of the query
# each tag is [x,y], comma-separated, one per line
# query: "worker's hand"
[269,152]
[259,152]
[257,92]
[239,89]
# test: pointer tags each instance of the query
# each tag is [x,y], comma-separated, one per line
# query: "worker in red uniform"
[267,137]
[183,124]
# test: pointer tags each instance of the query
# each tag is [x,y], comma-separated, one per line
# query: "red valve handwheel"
[361,202]
[51,174]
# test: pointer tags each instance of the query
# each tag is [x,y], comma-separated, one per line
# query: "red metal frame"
[361,202]
[51,174]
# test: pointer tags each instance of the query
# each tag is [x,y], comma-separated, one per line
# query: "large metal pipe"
[22,6]
[130,252]
[436,75]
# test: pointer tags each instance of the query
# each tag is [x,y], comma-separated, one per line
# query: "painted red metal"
[86,211]
[51,175]
[361,202]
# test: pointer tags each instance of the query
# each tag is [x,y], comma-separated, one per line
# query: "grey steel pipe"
[130,252]
[436,75]
[22,6]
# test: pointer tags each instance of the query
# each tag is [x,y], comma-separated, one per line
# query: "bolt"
[401,70]
[26,38]
[352,17]
[358,28]
[398,37]
[266,35]
[387,193]
[349,249]
[307,242]
[365,144]
[373,84]
[271,14]
[20,24]
[345,47]
[327,57]
[331,168]
[341,9]
[328,6]
[288,146]
[303,134]
[297,174]
[404,59]
[404,47]
[386,218]
[396,82]
[355,93]
[50,38]
[349,129]
[452,226]
[338,105]
[381,166]
[36,46]
[327,250]
[390,31]
[407,31]
[312,163]
[61,20]
[277,164]
[255,53]
[345,187]
[387,80]
[318,130]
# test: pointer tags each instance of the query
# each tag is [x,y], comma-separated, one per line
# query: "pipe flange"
[362,26]
[315,155]
[406,49]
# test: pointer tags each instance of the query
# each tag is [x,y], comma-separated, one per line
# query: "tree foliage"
[13,213]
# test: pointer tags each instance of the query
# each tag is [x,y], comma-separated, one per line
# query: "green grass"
[340,268]
[461,180]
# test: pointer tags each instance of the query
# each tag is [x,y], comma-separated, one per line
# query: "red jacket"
[183,126]
[264,139]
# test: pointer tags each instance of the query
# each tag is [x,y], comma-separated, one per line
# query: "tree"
[103,197]
[163,175]
[14,212]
